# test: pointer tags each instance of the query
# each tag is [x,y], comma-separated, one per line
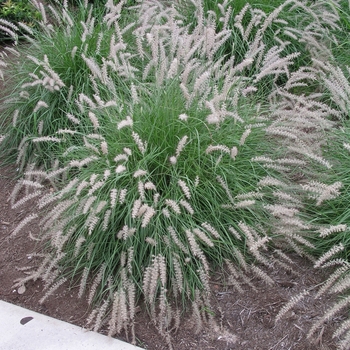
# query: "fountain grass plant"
[169,156]
[328,199]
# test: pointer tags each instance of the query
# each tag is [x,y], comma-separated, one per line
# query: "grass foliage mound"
[176,140]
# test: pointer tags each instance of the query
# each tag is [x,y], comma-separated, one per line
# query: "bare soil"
[246,320]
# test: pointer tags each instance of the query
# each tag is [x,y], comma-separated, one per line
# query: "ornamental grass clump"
[328,198]
[167,159]
[51,82]
[332,217]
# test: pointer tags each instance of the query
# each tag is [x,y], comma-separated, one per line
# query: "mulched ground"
[246,320]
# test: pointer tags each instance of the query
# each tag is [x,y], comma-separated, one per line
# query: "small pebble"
[21,289]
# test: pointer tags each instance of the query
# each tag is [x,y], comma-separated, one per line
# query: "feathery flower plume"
[135,209]
[120,157]
[261,274]
[150,186]
[201,83]
[151,241]
[61,131]
[94,120]
[176,240]
[93,66]
[83,281]
[221,148]
[24,94]
[173,205]
[313,156]
[195,249]
[196,181]
[344,327]
[279,210]
[52,289]
[173,68]
[210,229]
[156,199]
[68,188]
[341,285]
[166,213]
[93,179]
[86,99]
[73,119]
[10,32]
[150,280]
[83,184]
[79,242]
[181,145]
[14,118]
[331,312]
[74,51]
[186,191]
[235,233]
[125,122]
[142,210]
[89,145]
[244,136]
[178,274]
[104,147]
[96,283]
[150,212]
[248,90]
[45,200]
[26,199]
[324,232]
[183,117]
[120,169]
[139,173]
[23,223]
[331,252]
[270,181]
[294,300]
[127,151]
[88,204]
[95,187]
[200,234]
[234,152]
[141,145]
[47,139]
[113,195]
[245,203]
[224,185]
[332,278]
[9,24]
[322,191]
[40,127]
[141,190]
[187,206]
[134,96]
[106,219]
[122,195]
[29,183]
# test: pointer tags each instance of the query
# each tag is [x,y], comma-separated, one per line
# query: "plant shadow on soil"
[246,320]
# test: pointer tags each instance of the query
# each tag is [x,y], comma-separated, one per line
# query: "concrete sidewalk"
[22,329]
